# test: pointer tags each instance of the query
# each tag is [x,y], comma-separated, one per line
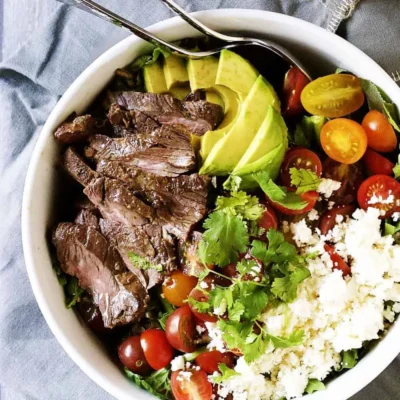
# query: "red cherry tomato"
[268,220]
[180,329]
[131,354]
[210,360]
[177,286]
[299,158]
[309,197]
[294,83]
[157,350]
[376,164]
[381,192]
[231,271]
[199,295]
[338,262]
[191,385]
[380,134]
[349,175]
[328,220]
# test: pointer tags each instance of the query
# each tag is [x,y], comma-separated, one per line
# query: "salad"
[234,239]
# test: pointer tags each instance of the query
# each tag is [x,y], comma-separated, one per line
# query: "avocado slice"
[236,73]
[175,71]
[228,151]
[202,72]
[179,92]
[154,80]
[266,151]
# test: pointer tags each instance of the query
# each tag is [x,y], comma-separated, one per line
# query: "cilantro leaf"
[378,100]
[242,205]
[304,180]
[286,287]
[236,312]
[226,373]
[200,306]
[279,194]
[158,383]
[232,183]
[349,359]
[314,385]
[255,346]
[294,339]
[221,295]
[246,267]
[142,263]
[225,237]
[234,333]
[253,297]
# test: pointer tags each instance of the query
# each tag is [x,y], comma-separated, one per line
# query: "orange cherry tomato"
[309,197]
[191,385]
[381,135]
[381,192]
[338,262]
[344,140]
[333,96]
[295,81]
[210,360]
[177,286]
[376,164]
[158,352]
[180,329]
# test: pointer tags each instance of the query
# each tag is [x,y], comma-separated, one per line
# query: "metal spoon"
[231,42]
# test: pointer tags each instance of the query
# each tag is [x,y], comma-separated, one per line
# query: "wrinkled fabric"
[32,363]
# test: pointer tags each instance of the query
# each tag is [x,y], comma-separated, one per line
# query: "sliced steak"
[163,108]
[179,202]
[164,152]
[133,121]
[85,253]
[87,217]
[78,168]
[146,241]
[76,131]
[117,203]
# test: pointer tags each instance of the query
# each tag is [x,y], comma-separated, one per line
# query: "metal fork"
[230,42]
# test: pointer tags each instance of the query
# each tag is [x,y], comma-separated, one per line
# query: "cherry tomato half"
[344,140]
[131,354]
[309,197]
[191,385]
[156,348]
[381,135]
[267,221]
[210,360]
[349,175]
[381,192]
[328,219]
[177,286]
[299,157]
[294,83]
[202,296]
[376,164]
[333,96]
[180,329]
[338,262]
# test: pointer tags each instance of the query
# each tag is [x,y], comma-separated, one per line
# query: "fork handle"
[94,8]
[177,9]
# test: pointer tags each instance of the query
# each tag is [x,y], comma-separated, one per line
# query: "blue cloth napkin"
[32,363]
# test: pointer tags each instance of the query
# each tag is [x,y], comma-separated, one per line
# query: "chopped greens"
[73,291]
[240,204]
[314,385]
[349,359]
[158,383]
[226,373]
[142,263]
[304,180]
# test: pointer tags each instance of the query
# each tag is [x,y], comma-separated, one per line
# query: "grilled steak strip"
[76,131]
[85,253]
[197,117]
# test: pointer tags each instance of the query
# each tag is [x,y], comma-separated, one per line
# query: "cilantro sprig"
[304,180]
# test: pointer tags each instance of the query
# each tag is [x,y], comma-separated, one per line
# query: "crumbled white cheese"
[380,200]
[217,343]
[328,186]
[178,363]
[396,216]
[221,309]
[203,285]
[313,215]
[330,205]
[200,329]
[184,376]
[335,313]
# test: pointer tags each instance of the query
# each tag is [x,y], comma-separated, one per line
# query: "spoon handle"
[102,12]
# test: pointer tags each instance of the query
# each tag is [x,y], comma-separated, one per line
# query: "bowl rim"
[350,382]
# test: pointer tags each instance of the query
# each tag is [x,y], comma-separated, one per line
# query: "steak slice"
[164,152]
[179,202]
[87,217]
[114,200]
[117,203]
[163,108]
[83,252]
[76,131]
[133,121]
[146,241]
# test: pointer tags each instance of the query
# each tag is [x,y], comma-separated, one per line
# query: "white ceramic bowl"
[320,49]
